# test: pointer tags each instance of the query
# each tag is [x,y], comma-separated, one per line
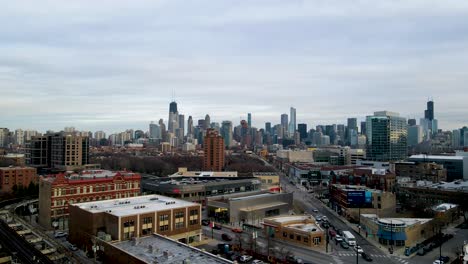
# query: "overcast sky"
[113,65]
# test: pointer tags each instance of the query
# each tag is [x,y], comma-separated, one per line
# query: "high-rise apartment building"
[386,136]
[226,133]
[60,150]
[292,122]
[154,131]
[98,135]
[19,176]
[213,147]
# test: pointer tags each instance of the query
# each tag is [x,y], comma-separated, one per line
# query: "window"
[317,240]
[306,240]
[147,220]
[179,220]
[164,217]
[291,236]
[285,234]
[298,237]
[164,228]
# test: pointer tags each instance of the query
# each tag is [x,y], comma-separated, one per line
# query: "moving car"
[338,238]
[344,245]
[236,230]
[73,247]
[358,249]
[366,256]
[315,210]
[437,262]
[226,237]
[245,258]
[60,234]
[257,261]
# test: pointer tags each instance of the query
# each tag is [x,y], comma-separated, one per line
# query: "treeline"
[159,166]
[164,166]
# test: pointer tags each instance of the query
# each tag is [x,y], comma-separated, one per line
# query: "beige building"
[128,218]
[270,180]
[296,229]
[399,232]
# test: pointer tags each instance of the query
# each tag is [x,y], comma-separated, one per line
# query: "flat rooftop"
[457,185]
[299,222]
[134,205]
[436,157]
[397,221]
[163,250]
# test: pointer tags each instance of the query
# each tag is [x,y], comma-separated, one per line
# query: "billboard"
[359,198]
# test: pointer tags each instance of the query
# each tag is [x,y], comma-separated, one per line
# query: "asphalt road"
[342,255]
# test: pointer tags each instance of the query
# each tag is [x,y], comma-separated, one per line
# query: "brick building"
[421,171]
[213,147]
[58,191]
[19,176]
[129,218]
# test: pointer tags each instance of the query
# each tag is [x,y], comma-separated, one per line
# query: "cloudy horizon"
[113,65]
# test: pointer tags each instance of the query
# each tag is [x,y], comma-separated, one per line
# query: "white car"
[438,262]
[358,249]
[257,261]
[245,258]
[338,238]
[315,210]
[60,234]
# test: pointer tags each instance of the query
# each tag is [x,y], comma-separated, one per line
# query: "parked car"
[315,210]
[60,234]
[226,237]
[427,248]
[217,227]
[344,245]
[358,249]
[245,258]
[339,232]
[421,252]
[236,230]
[437,262]
[366,256]
[73,247]
[205,222]
[445,259]
[257,261]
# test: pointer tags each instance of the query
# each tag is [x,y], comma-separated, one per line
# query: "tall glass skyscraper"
[386,136]
[292,122]
[226,132]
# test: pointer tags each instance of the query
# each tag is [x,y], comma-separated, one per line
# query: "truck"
[349,238]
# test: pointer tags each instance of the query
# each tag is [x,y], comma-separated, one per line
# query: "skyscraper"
[292,122]
[190,126]
[268,128]
[173,122]
[207,121]
[363,127]
[213,151]
[249,119]
[182,125]
[415,135]
[429,124]
[226,133]
[351,130]
[411,122]
[386,136]
[154,130]
[429,112]
[284,123]
[302,128]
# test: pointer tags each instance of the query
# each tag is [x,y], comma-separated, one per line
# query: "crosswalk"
[353,254]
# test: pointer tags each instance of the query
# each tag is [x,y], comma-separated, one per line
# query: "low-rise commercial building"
[197,189]
[421,171]
[134,217]
[456,166]
[57,192]
[16,176]
[398,232]
[184,172]
[296,229]
[252,206]
[351,200]
[270,180]
[435,193]
[156,249]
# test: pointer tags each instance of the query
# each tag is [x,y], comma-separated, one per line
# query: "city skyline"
[101,68]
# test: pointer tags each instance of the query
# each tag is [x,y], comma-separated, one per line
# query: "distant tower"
[226,133]
[213,151]
[284,123]
[173,122]
[207,121]
[292,122]
[249,119]
[190,126]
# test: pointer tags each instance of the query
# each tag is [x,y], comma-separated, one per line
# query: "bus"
[349,238]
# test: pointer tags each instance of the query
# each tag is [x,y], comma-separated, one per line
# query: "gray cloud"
[113,64]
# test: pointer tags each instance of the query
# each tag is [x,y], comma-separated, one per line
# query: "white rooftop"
[397,221]
[163,250]
[444,207]
[290,218]
[436,157]
[135,205]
